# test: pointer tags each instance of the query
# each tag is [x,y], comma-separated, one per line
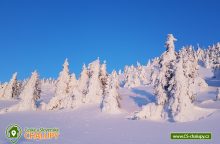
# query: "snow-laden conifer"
[12,88]
[110,103]
[83,82]
[29,95]
[95,90]
[62,99]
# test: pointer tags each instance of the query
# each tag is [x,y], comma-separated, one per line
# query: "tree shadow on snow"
[215,80]
[142,97]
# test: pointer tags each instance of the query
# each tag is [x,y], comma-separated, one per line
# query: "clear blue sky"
[40,34]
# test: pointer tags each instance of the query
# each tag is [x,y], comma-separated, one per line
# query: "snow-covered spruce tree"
[179,103]
[83,82]
[110,103]
[103,76]
[95,90]
[154,70]
[115,77]
[2,89]
[213,56]
[200,54]
[136,78]
[218,94]
[74,93]
[170,44]
[31,92]
[190,65]
[142,74]
[131,77]
[160,69]
[207,61]
[157,111]
[145,74]
[127,75]
[29,95]
[12,88]
[62,99]
[165,71]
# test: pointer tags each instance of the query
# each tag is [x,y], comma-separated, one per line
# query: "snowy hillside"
[178,91]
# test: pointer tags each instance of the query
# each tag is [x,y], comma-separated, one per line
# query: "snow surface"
[88,126]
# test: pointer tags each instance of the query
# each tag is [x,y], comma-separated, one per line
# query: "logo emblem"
[13,133]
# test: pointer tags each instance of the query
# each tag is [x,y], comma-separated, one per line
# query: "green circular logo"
[13,133]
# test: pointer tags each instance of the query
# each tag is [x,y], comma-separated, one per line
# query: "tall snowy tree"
[95,90]
[83,82]
[110,103]
[165,71]
[62,99]
[162,85]
[12,88]
[173,87]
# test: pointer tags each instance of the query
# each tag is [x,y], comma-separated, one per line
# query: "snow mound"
[151,112]
[194,113]
[158,113]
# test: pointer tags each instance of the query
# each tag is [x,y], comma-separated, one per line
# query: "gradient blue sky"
[40,34]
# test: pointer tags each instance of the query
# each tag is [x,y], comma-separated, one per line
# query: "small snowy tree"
[11,90]
[218,94]
[148,63]
[83,82]
[103,76]
[110,101]
[62,99]
[128,76]
[207,61]
[115,78]
[200,53]
[132,77]
[2,89]
[74,92]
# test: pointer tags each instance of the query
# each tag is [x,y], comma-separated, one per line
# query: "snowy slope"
[88,125]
